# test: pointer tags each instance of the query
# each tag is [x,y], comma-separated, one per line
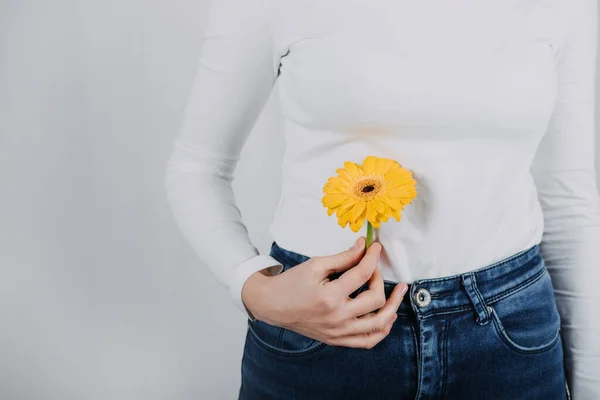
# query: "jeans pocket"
[282,341]
[527,320]
[278,340]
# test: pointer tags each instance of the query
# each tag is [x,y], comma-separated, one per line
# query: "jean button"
[422,297]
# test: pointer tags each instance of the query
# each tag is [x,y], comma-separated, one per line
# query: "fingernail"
[404,289]
[355,245]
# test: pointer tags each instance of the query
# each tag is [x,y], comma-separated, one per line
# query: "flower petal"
[353,169]
[371,213]
[337,181]
[358,209]
[387,213]
[334,189]
[345,206]
[384,165]
[344,217]
[333,200]
[397,214]
[392,201]
[345,175]
[379,206]
[359,222]
[405,194]
[369,164]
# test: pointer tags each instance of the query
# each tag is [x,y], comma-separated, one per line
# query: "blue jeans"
[491,334]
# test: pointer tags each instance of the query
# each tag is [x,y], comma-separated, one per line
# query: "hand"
[305,300]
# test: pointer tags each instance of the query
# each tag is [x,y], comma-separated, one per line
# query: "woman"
[486,287]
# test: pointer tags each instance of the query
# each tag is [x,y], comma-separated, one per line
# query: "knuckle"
[384,325]
[374,339]
[364,275]
[331,302]
[332,331]
[330,325]
[368,343]
[347,254]
[336,320]
[381,300]
[378,327]
[388,327]
[327,331]
[326,301]
[320,301]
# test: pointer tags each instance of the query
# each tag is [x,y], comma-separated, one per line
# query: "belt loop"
[469,282]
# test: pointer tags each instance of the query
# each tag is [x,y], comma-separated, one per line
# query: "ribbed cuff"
[243,272]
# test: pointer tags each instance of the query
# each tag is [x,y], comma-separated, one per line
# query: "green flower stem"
[369,235]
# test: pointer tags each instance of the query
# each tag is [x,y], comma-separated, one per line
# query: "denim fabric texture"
[492,333]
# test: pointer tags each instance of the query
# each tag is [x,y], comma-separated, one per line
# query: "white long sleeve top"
[489,103]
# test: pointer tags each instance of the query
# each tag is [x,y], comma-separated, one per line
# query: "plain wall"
[100,297]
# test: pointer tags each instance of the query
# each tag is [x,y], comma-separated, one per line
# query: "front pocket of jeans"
[280,340]
[283,341]
[528,321]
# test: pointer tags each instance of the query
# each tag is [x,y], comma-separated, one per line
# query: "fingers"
[375,322]
[370,299]
[355,277]
[364,340]
[344,260]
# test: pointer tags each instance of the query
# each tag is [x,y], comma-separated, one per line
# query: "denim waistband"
[475,289]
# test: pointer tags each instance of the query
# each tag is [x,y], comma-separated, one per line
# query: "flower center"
[368,188]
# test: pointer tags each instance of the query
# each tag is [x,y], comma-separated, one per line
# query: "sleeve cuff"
[243,272]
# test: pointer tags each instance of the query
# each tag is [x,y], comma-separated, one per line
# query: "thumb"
[346,259]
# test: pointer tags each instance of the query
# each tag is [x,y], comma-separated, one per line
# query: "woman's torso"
[459,93]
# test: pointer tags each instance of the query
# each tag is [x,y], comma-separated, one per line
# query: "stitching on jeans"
[280,338]
[419,363]
[288,353]
[512,345]
[522,285]
[518,287]
[481,300]
[445,359]
[483,269]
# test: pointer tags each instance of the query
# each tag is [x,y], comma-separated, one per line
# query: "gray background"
[100,297]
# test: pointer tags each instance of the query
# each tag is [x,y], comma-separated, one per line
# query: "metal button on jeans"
[422,297]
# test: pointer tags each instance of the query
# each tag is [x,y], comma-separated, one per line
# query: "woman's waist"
[447,290]
[416,247]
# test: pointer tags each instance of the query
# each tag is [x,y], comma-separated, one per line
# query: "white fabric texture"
[489,104]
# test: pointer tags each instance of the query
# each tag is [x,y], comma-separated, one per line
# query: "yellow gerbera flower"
[375,191]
